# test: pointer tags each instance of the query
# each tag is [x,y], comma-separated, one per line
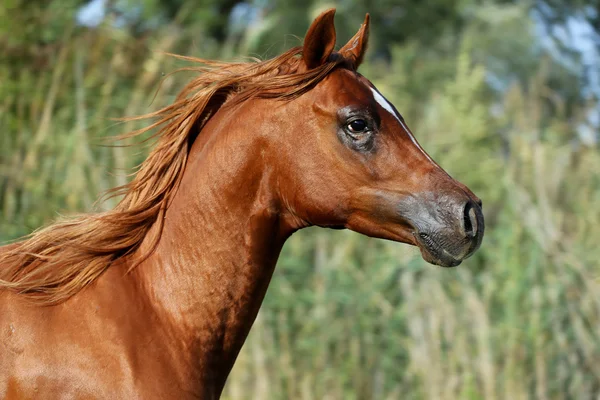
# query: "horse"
[154,298]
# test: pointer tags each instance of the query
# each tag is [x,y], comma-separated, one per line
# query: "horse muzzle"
[447,229]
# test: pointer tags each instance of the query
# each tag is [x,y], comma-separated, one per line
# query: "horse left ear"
[320,40]
[355,49]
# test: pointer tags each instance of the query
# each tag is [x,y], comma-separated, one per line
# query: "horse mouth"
[433,252]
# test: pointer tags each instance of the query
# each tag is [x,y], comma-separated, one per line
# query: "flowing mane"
[56,262]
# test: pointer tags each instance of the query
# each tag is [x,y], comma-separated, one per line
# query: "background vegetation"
[499,94]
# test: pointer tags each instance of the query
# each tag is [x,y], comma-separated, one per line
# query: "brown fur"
[56,262]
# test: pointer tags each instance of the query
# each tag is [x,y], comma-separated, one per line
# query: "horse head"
[347,159]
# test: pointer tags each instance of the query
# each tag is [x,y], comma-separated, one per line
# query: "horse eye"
[357,126]
[357,133]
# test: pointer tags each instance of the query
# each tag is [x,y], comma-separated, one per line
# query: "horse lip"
[437,254]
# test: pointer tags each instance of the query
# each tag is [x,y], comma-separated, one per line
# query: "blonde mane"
[56,262]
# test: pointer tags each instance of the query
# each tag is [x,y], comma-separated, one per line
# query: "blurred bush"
[348,317]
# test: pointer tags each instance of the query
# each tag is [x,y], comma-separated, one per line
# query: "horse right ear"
[355,49]
[320,40]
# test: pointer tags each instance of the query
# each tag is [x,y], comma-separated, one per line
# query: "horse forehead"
[378,97]
[350,85]
[360,88]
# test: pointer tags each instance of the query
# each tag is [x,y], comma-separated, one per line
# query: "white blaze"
[382,101]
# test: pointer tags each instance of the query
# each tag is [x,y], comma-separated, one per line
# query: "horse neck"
[222,235]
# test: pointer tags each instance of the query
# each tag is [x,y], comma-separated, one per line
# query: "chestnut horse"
[155,298]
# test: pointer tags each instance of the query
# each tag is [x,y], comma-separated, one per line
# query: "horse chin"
[434,254]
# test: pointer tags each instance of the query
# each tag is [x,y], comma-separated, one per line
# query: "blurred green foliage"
[348,317]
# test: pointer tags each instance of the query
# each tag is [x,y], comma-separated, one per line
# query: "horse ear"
[356,47]
[320,40]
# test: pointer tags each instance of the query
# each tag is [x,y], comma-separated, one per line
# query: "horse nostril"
[470,220]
